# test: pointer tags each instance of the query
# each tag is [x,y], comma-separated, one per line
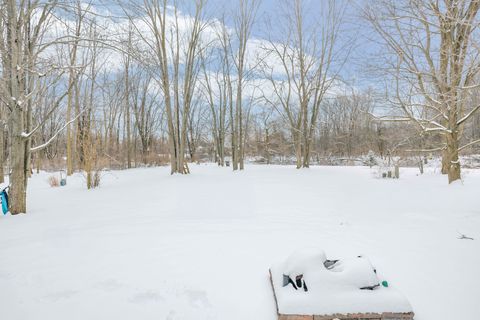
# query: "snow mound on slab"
[333,290]
[302,261]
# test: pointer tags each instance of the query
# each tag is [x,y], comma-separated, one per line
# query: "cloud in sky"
[113,28]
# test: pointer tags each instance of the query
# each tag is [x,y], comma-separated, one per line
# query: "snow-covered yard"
[147,245]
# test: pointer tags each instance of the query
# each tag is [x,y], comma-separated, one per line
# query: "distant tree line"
[161,83]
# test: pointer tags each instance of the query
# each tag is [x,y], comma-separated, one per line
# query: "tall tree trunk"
[18,192]
[71,82]
[78,127]
[2,151]
[127,122]
[298,148]
[17,199]
[239,121]
[454,163]
[39,161]
[445,161]
[127,104]
[306,155]
[69,126]
[233,120]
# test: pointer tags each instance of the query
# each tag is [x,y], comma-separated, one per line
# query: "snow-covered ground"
[147,245]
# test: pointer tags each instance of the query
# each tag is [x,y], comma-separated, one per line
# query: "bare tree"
[217,91]
[347,122]
[225,89]
[21,45]
[73,45]
[244,20]
[146,107]
[306,55]
[195,127]
[127,121]
[175,54]
[433,63]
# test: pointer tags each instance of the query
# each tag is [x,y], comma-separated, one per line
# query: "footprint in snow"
[197,298]
[109,285]
[60,295]
[146,297]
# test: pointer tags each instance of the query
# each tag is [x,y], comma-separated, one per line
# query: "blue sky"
[354,28]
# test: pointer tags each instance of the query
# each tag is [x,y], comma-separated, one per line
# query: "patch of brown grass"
[53,181]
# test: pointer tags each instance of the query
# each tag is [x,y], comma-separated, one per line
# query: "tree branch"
[468,144]
[44,145]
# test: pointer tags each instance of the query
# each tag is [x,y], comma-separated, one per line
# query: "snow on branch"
[44,145]
[390,119]
[51,111]
[420,122]
[428,150]
[468,115]
[468,144]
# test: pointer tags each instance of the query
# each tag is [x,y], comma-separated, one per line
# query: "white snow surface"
[148,245]
[334,290]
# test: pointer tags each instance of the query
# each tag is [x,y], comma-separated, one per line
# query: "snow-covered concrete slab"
[344,289]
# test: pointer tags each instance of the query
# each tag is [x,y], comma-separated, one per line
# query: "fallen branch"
[464,237]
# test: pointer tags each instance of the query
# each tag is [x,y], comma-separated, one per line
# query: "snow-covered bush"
[385,168]
[371,159]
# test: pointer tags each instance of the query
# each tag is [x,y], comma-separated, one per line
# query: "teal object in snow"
[4,200]
[63,178]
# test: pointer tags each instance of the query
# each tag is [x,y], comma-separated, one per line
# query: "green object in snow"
[385,284]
